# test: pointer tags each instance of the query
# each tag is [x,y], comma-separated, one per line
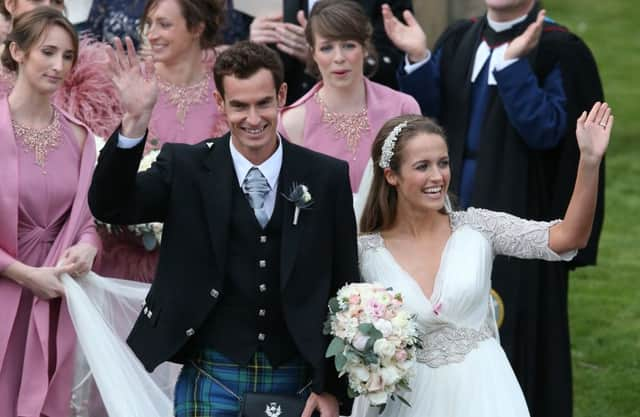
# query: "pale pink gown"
[178,117]
[383,103]
[36,338]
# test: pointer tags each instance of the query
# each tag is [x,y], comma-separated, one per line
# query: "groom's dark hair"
[243,59]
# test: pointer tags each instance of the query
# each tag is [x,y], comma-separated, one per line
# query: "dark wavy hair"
[29,27]
[382,203]
[244,59]
[208,13]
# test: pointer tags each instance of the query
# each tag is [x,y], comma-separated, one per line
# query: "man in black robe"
[508,88]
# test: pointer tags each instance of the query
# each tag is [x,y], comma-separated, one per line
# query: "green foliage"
[604,301]
[335,347]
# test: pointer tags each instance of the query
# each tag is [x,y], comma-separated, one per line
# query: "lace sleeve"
[512,236]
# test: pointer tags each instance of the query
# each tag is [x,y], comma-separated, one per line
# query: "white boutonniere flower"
[300,197]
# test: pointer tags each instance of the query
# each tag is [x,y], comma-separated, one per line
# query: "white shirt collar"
[502,26]
[269,168]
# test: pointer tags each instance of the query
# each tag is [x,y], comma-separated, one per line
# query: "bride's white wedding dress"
[462,370]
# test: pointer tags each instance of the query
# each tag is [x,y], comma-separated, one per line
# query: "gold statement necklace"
[40,141]
[345,125]
[185,97]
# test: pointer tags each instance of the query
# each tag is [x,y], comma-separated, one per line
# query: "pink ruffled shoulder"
[88,92]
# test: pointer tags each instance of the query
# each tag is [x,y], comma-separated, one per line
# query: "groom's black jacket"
[189,188]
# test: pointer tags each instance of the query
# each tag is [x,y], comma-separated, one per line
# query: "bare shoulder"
[293,123]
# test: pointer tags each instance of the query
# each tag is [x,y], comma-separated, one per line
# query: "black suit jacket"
[389,57]
[188,189]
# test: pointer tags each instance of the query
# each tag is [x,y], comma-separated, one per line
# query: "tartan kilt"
[197,395]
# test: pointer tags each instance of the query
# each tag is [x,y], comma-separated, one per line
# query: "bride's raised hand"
[136,83]
[593,131]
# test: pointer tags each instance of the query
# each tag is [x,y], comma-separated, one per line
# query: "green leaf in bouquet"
[340,361]
[335,347]
[404,385]
[365,328]
[351,393]
[403,400]
[326,329]
[334,305]
[370,358]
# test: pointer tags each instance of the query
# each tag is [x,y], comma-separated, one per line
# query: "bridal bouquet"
[374,341]
[149,233]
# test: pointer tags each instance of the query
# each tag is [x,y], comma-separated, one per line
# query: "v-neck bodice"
[463,281]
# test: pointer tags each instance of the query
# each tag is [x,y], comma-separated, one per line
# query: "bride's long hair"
[381,207]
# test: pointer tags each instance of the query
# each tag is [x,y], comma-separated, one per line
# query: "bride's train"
[103,311]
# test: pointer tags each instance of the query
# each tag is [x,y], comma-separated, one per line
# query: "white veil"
[103,311]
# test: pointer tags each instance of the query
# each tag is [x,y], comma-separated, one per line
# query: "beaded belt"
[449,344]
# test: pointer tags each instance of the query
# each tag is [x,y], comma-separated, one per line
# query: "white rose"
[383,348]
[377,397]
[360,341]
[390,375]
[360,373]
[400,321]
[384,326]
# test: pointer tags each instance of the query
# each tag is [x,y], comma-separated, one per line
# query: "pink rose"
[354,299]
[401,355]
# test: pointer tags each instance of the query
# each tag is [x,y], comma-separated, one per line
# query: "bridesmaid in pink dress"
[87,92]
[179,34]
[46,228]
[341,115]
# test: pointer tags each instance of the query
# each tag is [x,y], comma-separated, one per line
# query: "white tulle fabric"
[463,382]
[103,311]
[360,198]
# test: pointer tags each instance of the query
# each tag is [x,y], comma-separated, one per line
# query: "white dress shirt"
[483,52]
[269,168]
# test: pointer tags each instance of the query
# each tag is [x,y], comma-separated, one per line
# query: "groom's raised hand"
[137,87]
[326,404]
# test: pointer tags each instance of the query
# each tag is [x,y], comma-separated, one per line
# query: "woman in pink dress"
[46,228]
[341,114]
[180,34]
[87,92]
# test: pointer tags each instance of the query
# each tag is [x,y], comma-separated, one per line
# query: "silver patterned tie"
[256,187]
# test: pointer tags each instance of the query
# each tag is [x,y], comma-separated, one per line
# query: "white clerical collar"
[269,168]
[497,57]
[502,26]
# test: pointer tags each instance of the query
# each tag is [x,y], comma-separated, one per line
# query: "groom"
[248,260]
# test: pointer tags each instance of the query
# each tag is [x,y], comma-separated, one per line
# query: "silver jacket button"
[262,287]
[214,293]
[262,337]
[190,332]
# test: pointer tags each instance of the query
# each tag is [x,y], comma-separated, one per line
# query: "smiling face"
[167,32]
[340,62]
[46,64]
[251,107]
[422,178]
[17,7]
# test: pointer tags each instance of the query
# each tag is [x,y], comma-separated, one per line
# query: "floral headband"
[389,144]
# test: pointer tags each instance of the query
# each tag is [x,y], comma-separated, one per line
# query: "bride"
[441,262]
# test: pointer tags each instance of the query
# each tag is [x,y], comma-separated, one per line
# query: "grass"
[605,300]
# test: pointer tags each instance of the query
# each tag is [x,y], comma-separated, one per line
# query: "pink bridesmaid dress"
[349,137]
[44,211]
